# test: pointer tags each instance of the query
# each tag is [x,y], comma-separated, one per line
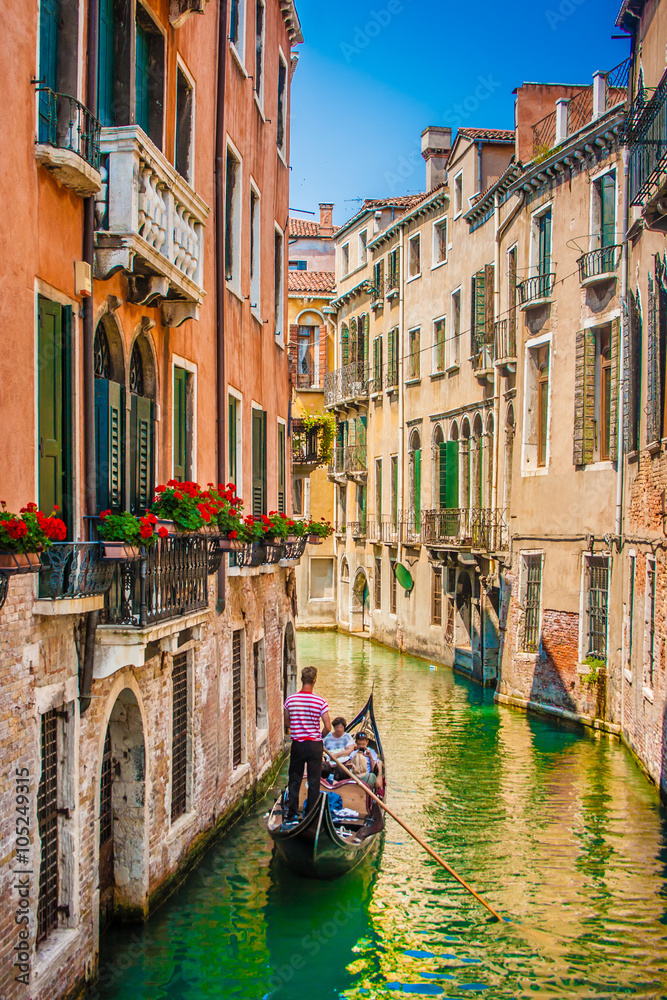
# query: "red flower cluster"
[147,525]
[15,529]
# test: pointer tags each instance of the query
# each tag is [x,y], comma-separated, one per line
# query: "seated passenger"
[365,762]
[340,744]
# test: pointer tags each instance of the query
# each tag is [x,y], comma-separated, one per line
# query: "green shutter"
[141,453]
[258,462]
[108,444]
[417,498]
[361,437]
[344,346]
[281,468]
[615,358]
[363,508]
[480,312]
[608,210]
[544,225]
[451,475]
[584,398]
[353,341]
[390,358]
[106,62]
[394,490]
[442,474]
[180,425]
[50,405]
[49,28]
[378,490]
[142,114]
[231,433]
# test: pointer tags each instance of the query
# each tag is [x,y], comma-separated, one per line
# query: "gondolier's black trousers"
[309,753]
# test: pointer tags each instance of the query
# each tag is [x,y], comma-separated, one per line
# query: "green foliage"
[326,422]
[596,672]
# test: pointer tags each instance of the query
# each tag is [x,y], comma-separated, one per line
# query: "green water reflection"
[558,829]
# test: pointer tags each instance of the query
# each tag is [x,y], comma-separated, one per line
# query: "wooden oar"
[414,836]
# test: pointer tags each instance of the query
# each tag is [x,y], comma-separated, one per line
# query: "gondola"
[323,846]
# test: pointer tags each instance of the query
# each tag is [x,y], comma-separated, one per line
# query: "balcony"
[355,459]
[337,463]
[346,385]
[150,224]
[305,447]
[73,579]
[646,134]
[505,344]
[536,291]
[357,530]
[305,376]
[389,530]
[411,527]
[599,265]
[482,364]
[68,142]
[481,530]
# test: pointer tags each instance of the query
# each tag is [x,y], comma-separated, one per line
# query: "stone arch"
[477,463]
[360,602]
[143,348]
[289,661]
[438,467]
[344,589]
[122,832]
[307,314]
[453,431]
[109,349]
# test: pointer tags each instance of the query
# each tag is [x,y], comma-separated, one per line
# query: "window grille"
[179,743]
[106,812]
[237,742]
[451,604]
[47,820]
[531,625]
[378,584]
[598,570]
[650,621]
[392,590]
[436,597]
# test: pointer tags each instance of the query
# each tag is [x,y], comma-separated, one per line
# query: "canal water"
[557,828]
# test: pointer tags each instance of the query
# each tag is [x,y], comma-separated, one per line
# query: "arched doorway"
[509,458]
[344,610]
[109,414]
[123,835]
[439,469]
[142,385]
[360,604]
[463,632]
[415,469]
[289,661]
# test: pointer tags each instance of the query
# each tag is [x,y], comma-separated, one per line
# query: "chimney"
[436,147]
[326,219]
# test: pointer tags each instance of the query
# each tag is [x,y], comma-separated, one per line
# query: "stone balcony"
[149,223]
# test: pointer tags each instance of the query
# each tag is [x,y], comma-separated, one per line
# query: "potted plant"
[317,531]
[124,534]
[224,509]
[179,503]
[23,536]
[283,526]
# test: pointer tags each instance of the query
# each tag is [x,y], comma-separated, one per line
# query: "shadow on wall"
[555,673]
[663,768]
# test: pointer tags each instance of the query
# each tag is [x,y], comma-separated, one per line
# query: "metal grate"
[378,584]
[650,620]
[179,740]
[106,812]
[436,597]
[47,820]
[237,742]
[598,594]
[531,625]
[392,590]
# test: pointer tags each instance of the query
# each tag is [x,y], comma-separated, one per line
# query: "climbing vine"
[326,422]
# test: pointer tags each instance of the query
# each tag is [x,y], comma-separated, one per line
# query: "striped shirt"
[305,711]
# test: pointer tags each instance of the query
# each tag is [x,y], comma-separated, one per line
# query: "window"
[363,247]
[629,659]
[415,470]
[458,194]
[298,265]
[238,735]
[394,269]
[183,424]
[149,76]
[279,281]
[321,579]
[259,53]
[451,605]
[281,130]
[342,507]
[540,254]
[378,583]
[300,496]
[454,341]
[308,359]
[234,447]
[59,62]
[378,489]
[108,107]
[183,152]
[345,259]
[649,635]
[378,280]
[255,250]
[414,356]
[415,256]
[392,358]
[258,462]
[481,319]
[439,342]
[439,242]
[393,588]
[532,600]
[597,571]
[511,299]
[261,695]
[536,407]
[282,458]
[604,219]
[54,392]
[436,596]
[141,428]
[233,220]
[596,394]
[47,823]
[179,737]
[237,27]
[377,364]
[394,490]
[361,510]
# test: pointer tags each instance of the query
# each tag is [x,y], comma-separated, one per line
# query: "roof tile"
[487,134]
[322,282]
[306,227]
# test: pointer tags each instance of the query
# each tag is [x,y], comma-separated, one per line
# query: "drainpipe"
[625,268]
[90,493]
[220,286]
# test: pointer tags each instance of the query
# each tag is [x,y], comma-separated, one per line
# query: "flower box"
[315,539]
[291,539]
[120,552]
[230,544]
[19,562]
[168,525]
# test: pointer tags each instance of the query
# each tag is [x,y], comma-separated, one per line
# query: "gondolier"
[303,712]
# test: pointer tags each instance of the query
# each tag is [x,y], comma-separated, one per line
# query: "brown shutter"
[293,352]
[615,357]
[489,272]
[652,375]
[584,397]
[589,397]
[323,353]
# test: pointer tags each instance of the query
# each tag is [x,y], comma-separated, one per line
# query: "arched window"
[142,424]
[510,431]
[109,408]
[464,465]
[477,461]
[488,461]
[439,467]
[415,459]
[344,345]
[344,571]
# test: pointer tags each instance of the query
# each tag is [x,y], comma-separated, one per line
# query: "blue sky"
[373,75]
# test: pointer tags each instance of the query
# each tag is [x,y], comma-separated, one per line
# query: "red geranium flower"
[233,534]
[104,514]
[162,532]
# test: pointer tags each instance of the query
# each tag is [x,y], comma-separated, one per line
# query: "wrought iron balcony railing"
[305,445]
[389,530]
[306,376]
[347,383]
[535,290]
[357,529]
[171,580]
[391,374]
[355,458]
[484,529]
[411,527]
[66,124]
[505,337]
[337,464]
[600,263]
[646,134]
[73,569]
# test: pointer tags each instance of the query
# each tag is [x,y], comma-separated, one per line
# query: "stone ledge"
[70,169]
[610,728]
[68,606]
[121,646]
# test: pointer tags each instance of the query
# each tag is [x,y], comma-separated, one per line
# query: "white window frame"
[282,148]
[191,368]
[345,259]
[438,225]
[239,438]
[535,238]
[255,232]
[414,239]
[434,363]
[458,194]
[191,80]
[238,50]
[453,352]
[595,228]
[281,422]
[523,593]
[279,293]
[332,560]
[530,468]
[363,247]
[233,284]
[584,630]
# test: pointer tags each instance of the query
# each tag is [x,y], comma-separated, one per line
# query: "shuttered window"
[436,596]
[237,697]
[378,489]
[109,420]
[392,358]
[584,397]
[377,364]
[633,352]
[414,359]
[149,76]
[281,468]
[596,394]
[258,462]
[54,395]
[378,279]
[47,822]
[439,346]
[378,584]
[393,587]
[394,490]
[182,426]
[179,740]
[344,345]
[232,470]
[49,29]
[106,62]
